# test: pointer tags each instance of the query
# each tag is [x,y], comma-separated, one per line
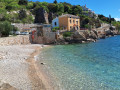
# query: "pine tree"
[23,2]
[22,14]
[55,1]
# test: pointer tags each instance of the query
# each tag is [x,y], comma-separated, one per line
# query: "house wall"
[63,22]
[49,37]
[43,36]
[57,22]
[73,23]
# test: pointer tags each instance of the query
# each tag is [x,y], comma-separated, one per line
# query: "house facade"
[55,22]
[67,22]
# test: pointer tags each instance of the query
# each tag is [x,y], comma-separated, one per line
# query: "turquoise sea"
[91,66]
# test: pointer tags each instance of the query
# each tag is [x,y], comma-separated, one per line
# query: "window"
[55,23]
[70,27]
[76,22]
[70,21]
[73,21]
[77,27]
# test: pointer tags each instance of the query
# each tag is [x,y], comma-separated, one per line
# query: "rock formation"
[41,16]
[50,17]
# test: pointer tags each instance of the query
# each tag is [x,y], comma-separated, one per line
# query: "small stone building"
[43,35]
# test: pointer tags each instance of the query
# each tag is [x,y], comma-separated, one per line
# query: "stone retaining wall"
[48,38]
[15,40]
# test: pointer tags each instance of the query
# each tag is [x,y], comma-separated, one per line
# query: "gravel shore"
[17,68]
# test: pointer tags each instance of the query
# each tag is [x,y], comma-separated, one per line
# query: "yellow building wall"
[65,22]
[72,23]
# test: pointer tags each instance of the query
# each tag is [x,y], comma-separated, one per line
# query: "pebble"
[42,63]
[13,69]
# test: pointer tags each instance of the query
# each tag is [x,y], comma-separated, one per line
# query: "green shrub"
[67,34]
[55,29]
[13,6]
[87,26]
[5,28]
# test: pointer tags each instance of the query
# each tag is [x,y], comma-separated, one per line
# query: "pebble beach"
[17,68]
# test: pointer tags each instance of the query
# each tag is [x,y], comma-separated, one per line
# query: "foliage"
[55,1]
[22,11]
[53,7]
[55,29]
[60,8]
[116,24]
[105,19]
[77,10]
[30,5]
[86,21]
[5,28]
[87,26]
[23,2]
[15,29]
[12,6]
[67,34]
[22,14]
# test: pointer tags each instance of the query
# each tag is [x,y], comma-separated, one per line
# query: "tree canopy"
[24,11]
[23,2]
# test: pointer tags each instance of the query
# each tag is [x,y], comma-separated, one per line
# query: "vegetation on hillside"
[67,34]
[24,11]
[6,28]
[117,25]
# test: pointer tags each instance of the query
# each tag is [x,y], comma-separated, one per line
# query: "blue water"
[91,66]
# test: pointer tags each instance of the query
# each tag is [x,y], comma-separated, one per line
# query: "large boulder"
[93,35]
[78,35]
[109,32]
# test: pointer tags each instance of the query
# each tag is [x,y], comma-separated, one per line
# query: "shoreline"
[19,69]
[39,74]
[32,73]
[22,61]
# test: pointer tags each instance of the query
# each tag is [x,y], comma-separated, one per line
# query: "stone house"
[43,34]
[67,22]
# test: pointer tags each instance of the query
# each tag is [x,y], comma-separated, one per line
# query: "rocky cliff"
[78,37]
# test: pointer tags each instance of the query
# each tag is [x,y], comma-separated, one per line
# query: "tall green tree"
[23,2]
[5,28]
[22,14]
[55,1]
[60,9]
[77,10]
[53,7]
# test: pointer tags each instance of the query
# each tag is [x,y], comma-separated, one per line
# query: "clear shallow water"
[92,66]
